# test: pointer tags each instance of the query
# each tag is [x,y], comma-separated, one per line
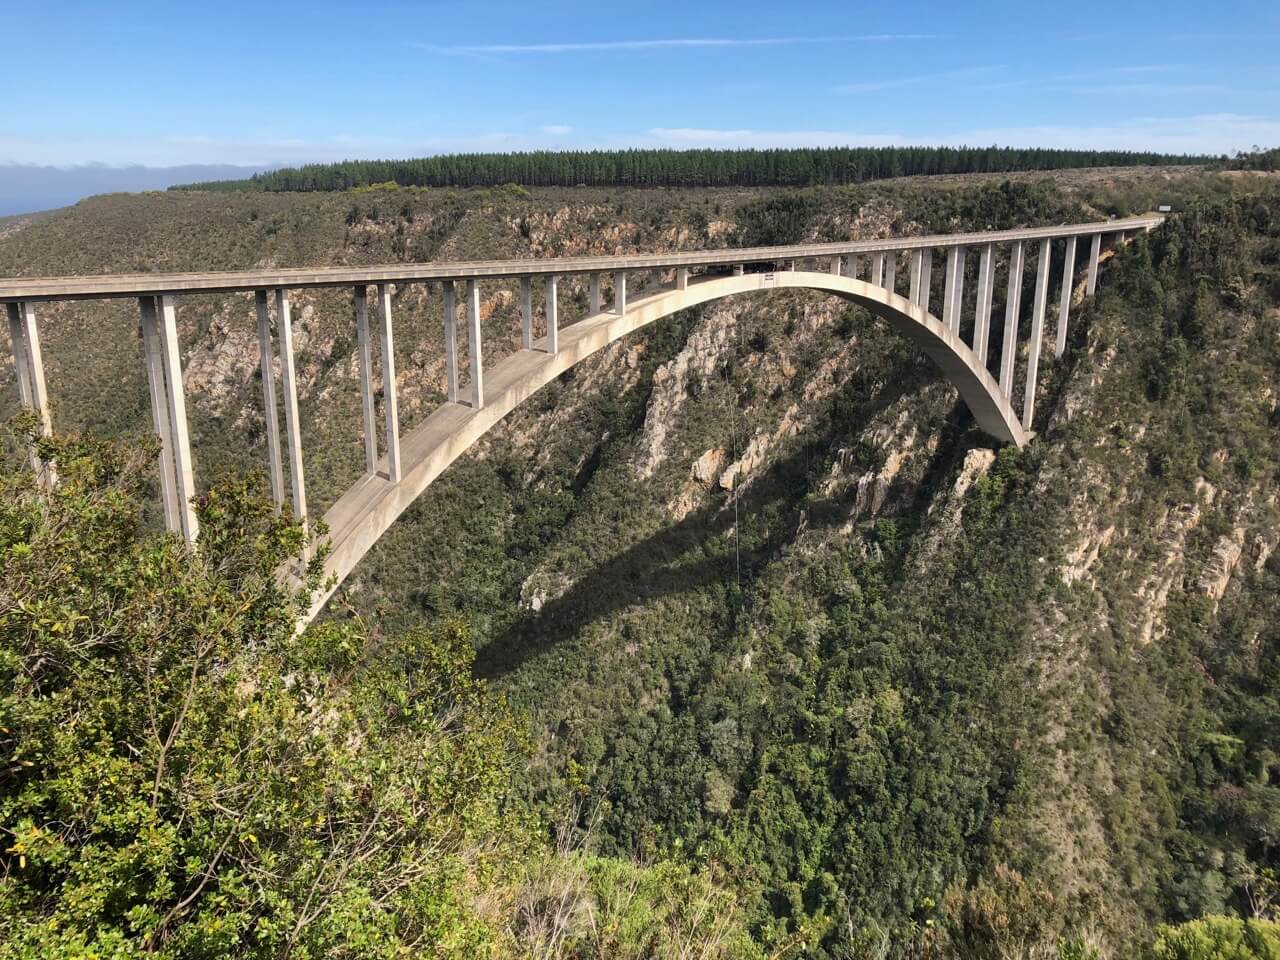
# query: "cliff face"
[765,593]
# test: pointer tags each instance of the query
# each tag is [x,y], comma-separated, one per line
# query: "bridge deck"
[153,284]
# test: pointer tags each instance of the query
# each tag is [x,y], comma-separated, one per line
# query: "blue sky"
[285,82]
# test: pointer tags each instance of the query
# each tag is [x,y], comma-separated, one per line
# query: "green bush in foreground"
[182,776]
[1219,938]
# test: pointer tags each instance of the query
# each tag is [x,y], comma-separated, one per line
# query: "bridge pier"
[553,313]
[682,279]
[390,404]
[1012,313]
[620,293]
[526,313]
[739,269]
[449,295]
[159,393]
[1037,333]
[367,408]
[28,364]
[836,266]
[594,302]
[160,341]
[474,347]
[982,318]
[877,269]
[1095,254]
[852,264]
[270,408]
[292,420]
[953,292]
[1064,304]
[890,270]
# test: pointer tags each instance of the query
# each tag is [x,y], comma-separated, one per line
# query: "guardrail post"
[449,296]
[553,313]
[182,467]
[159,392]
[473,344]
[270,411]
[1012,311]
[1064,305]
[1037,334]
[982,320]
[1095,254]
[526,313]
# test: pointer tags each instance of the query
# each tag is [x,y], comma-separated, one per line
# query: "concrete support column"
[836,266]
[853,264]
[553,314]
[926,279]
[159,392]
[791,266]
[913,289]
[620,293]
[270,409]
[474,346]
[1095,253]
[953,294]
[1012,311]
[739,269]
[1037,334]
[28,362]
[594,297]
[877,270]
[526,313]
[982,319]
[1064,303]
[449,294]
[367,409]
[390,406]
[178,431]
[890,270]
[682,278]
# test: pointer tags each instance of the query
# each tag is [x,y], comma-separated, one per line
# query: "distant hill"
[802,167]
[25,188]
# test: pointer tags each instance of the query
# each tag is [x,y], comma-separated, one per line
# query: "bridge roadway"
[107,286]
[980,365]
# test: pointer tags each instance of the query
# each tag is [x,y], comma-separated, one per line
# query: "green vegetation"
[798,167]
[1219,938]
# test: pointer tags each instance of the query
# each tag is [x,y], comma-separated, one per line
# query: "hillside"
[763,594]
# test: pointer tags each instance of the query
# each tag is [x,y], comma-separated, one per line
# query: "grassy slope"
[849,705]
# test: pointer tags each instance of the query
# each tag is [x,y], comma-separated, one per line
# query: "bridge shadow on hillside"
[676,560]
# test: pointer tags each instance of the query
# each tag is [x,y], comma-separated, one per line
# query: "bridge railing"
[872,261]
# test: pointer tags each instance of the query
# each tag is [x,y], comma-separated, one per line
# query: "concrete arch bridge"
[399,468]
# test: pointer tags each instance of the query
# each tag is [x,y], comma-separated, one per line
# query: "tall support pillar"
[836,266]
[449,296]
[390,404]
[682,278]
[595,302]
[474,346]
[890,270]
[853,264]
[28,362]
[954,292]
[620,293]
[1095,253]
[982,319]
[360,294]
[926,279]
[270,409]
[526,313]
[1037,334]
[292,420]
[553,314]
[178,431]
[1064,304]
[739,269]
[160,412]
[877,269]
[1012,311]
[913,290]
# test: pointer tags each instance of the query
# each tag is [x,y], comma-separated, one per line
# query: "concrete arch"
[368,509]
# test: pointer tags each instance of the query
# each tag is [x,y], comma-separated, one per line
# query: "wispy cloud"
[666,43]
[914,80]
[557,129]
